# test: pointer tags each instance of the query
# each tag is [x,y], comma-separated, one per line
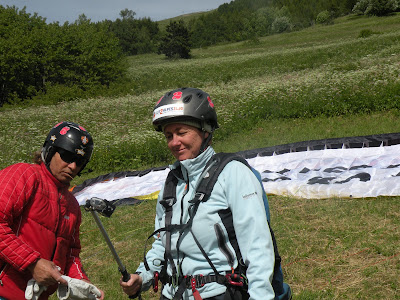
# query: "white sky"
[97,10]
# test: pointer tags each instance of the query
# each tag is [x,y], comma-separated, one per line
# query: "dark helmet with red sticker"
[186,105]
[71,137]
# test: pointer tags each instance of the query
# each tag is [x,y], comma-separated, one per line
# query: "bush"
[376,7]
[381,7]
[360,7]
[281,24]
[365,33]
[324,17]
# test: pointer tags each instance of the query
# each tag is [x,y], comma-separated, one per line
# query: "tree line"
[69,60]
[83,58]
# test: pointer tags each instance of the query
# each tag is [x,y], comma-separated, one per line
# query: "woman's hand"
[132,286]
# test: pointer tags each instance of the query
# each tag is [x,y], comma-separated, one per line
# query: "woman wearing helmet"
[40,218]
[191,248]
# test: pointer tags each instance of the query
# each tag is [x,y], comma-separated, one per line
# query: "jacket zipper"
[58,226]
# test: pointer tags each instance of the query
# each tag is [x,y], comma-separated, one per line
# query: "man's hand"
[46,273]
[132,286]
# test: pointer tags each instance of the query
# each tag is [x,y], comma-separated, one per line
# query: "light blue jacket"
[237,188]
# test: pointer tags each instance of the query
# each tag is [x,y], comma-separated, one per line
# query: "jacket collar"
[46,171]
[194,166]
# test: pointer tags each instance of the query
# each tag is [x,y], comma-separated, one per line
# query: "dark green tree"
[264,17]
[23,50]
[376,7]
[136,36]
[176,42]
[127,14]
[39,58]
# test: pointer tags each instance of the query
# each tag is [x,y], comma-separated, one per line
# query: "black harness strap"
[167,202]
[216,164]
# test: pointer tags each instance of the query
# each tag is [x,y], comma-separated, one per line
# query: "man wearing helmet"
[188,258]
[40,218]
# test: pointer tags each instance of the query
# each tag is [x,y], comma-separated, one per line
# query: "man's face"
[65,165]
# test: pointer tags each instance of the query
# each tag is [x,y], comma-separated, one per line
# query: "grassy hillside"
[186,18]
[321,72]
[323,82]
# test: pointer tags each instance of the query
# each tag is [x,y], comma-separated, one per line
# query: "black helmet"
[68,136]
[185,104]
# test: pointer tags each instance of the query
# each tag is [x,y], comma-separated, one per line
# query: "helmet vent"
[200,95]
[187,99]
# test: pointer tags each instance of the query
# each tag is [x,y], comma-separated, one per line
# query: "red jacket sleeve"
[17,184]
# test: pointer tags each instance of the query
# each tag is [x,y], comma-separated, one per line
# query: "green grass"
[278,132]
[331,249]
[322,82]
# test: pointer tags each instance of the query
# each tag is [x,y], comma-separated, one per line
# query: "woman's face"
[184,141]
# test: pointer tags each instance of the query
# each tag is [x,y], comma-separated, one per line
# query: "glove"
[77,290]
[33,290]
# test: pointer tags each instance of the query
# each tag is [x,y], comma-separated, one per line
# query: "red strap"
[155,284]
[195,292]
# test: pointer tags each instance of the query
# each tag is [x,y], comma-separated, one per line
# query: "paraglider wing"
[362,166]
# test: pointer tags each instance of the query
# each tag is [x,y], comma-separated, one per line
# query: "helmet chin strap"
[206,142]
[47,156]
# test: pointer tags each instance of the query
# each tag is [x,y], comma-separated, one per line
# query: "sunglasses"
[70,157]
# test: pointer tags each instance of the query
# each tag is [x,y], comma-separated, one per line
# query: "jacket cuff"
[31,259]
[147,279]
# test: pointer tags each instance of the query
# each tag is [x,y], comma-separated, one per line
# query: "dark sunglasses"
[70,157]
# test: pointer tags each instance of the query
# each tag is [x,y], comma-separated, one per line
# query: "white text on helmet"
[168,110]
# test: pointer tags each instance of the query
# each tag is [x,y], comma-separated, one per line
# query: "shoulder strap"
[217,163]
[168,200]
[169,193]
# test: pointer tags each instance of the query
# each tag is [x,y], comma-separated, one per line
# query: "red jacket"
[39,218]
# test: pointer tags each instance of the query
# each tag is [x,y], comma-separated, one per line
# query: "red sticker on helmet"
[210,102]
[159,100]
[64,130]
[81,128]
[177,96]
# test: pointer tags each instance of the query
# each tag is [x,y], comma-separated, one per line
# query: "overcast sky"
[97,10]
